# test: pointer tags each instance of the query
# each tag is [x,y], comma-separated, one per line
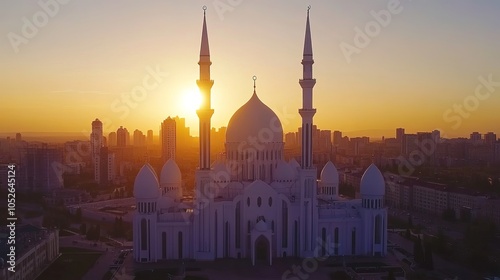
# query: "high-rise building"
[112,139]
[436,136]
[475,137]
[168,138]
[105,167]
[409,144]
[490,138]
[121,137]
[337,137]
[325,140]
[127,138]
[139,138]
[150,137]
[400,132]
[291,140]
[96,141]
[41,168]
[18,137]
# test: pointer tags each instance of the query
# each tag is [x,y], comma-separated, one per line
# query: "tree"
[418,252]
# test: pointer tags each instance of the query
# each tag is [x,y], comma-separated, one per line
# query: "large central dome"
[254,120]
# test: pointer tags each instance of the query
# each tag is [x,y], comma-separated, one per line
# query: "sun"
[190,100]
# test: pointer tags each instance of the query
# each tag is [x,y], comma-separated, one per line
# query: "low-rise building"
[35,249]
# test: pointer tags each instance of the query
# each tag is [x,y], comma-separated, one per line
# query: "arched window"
[216,229]
[226,240]
[237,226]
[323,239]
[353,241]
[248,201]
[144,234]
[270,201]
[296,239]
[259,201]
[164,245]
[284,224]
[336,241]
[180,244]
[378,229]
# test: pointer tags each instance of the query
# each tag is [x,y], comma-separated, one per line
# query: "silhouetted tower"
[307,112]
[307,174]
[96,138]
[205,85]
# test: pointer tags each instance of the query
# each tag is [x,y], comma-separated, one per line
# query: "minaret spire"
[205,85]
[307,40]
[307,112]
[204,50]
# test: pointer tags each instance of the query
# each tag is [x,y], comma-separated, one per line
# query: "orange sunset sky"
[83,59]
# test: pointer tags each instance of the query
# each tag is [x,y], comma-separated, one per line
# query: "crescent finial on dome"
[254,78]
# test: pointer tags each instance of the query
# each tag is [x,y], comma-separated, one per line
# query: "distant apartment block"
[122,137]
[139,138]
[410,193]
[112,139]
[150,138]
[39,169]
[104,167]
[168,138]
[96,138]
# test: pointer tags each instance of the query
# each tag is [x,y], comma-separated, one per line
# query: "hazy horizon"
[423,61]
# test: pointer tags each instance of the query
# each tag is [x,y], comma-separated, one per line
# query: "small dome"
[170,173]
[254,120]
[146,183]
[283,171]
[329,174]
[372,182]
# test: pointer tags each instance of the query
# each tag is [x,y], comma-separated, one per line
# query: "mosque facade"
[253,204]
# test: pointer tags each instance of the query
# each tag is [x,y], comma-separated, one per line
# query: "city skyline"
[81,69]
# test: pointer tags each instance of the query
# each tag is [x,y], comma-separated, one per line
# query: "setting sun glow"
[190,100]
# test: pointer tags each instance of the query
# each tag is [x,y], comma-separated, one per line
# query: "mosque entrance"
[262,249]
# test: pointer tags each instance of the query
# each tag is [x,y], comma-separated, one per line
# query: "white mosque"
[253,204]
